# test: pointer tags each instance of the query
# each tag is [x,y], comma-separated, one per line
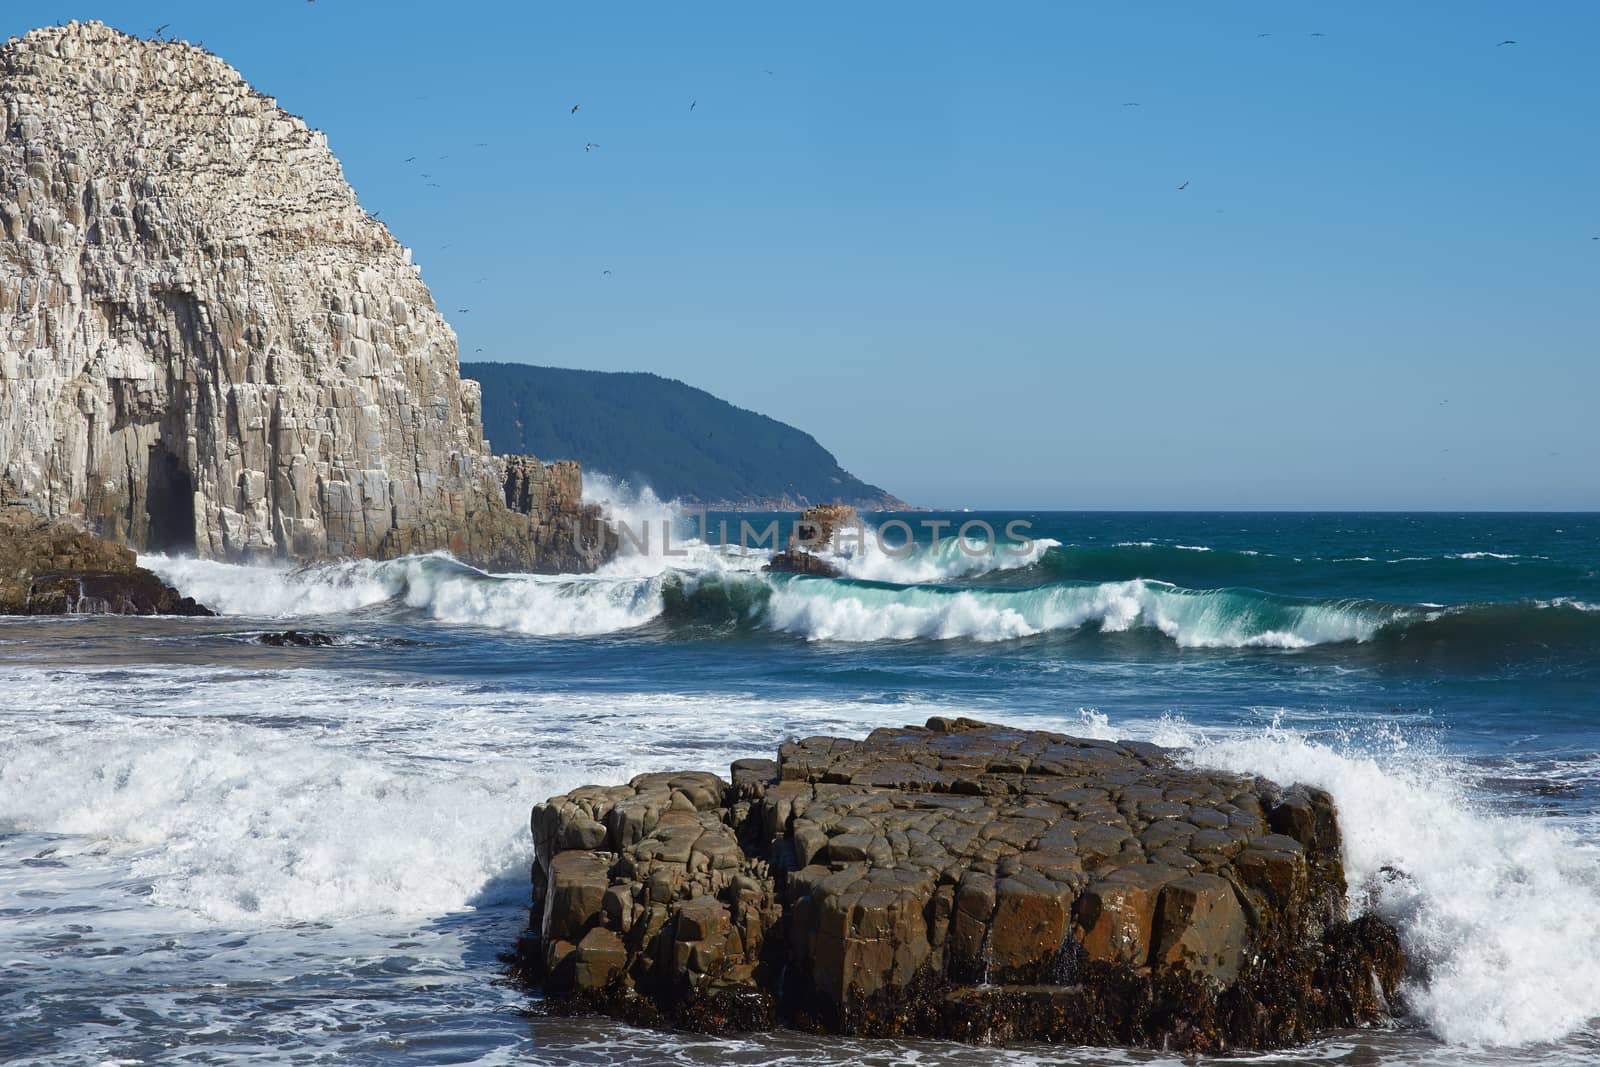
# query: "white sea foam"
[276,589]
[629,593]
[954,558]
[253,799]
[308,796]
[240,823]
[442,588]
[1500,913]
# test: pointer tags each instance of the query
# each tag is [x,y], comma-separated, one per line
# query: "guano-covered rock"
[208,345]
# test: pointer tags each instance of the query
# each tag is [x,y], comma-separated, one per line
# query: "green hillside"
[681,441]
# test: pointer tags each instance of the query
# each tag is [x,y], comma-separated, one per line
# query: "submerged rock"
[799,561]
[958,880]
[49,568]
[297,639]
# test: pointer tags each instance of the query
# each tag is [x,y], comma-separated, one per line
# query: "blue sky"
[934,236]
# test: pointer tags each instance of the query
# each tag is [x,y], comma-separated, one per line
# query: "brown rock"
[578,883]
[799,561]
[600,957]
[54,568]
[1117,913]
[962,880]
[1202,927]
[820,522]
[1032,917]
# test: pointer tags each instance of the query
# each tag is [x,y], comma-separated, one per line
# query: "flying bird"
[1263,35]
[1133,103]
[477,350]
[464,311]
[161,29]
[606,273]
[692,103]
[1502,44]
[1319,35]
[411,159]
[575,108]
[590,145]
[1182,187]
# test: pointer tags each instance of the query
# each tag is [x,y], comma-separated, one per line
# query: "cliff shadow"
[169,503]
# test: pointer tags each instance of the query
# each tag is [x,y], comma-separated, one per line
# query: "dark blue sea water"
[217,852]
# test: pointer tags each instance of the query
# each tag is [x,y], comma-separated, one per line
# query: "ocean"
[218,852]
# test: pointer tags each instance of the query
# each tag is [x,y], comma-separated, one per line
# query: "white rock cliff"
[206,344]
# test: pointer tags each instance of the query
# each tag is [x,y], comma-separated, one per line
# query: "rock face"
[958,880]
[207,345]
[53,569]
[812,534]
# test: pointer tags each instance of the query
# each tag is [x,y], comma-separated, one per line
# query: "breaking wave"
[1500,914]
[666,575]
[712,586]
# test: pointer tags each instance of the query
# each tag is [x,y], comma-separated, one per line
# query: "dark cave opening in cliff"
[169,504]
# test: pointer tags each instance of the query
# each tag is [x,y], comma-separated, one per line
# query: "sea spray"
[1499,914]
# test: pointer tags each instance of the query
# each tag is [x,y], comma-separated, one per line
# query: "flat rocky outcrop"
[53,569]
[958,880]
[208,345]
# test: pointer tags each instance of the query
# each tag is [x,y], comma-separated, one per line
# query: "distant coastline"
[683,442]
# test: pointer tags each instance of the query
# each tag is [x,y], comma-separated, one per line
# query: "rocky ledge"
[958,880]
[51,568]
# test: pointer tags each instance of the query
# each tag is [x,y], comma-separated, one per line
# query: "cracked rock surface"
[208,345]
[958,880]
